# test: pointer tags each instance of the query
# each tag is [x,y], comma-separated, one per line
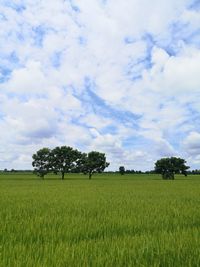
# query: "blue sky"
[120,77]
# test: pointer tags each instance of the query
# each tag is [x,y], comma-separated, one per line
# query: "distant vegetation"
[65,159]
[168,167]
[122,170]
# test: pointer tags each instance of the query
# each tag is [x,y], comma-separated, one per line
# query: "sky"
[120,77]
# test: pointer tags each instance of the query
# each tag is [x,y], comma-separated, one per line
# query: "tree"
[122,170]
[42,162]
[65,159]
[170,166]
[93,162]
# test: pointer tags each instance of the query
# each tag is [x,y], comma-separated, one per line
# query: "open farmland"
[112,220]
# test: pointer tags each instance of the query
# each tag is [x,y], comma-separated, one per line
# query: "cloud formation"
[121,77]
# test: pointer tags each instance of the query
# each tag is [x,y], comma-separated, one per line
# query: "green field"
[109,221]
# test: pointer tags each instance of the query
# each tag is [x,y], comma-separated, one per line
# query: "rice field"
[112,220]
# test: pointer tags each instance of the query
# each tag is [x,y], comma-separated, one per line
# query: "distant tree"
[122,170]
[130,171]
[194,172]
[65,159]
[42,162]
[167,167]
[93,162]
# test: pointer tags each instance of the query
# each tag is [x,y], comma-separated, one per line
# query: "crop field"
[112,220]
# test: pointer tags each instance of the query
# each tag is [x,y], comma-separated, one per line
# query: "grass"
[111,220]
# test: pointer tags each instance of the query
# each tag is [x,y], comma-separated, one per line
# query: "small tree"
[122,170]
[65,159]
[93,162]
[170,166]
[41,162]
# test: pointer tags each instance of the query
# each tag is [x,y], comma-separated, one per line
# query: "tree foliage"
[41,162]
[65,159]
[170,166]
[93,162]
[122,170]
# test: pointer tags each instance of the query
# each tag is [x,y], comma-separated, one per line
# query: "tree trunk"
[90,175]
[41,175]
[63,175]
[168,176]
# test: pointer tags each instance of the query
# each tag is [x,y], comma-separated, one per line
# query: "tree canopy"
[93,162]
[66,159]
[122,170]
[42,162]
[170,166]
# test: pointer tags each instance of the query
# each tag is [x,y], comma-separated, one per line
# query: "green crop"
[112,220]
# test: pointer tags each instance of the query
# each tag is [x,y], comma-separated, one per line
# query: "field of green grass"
[111,220]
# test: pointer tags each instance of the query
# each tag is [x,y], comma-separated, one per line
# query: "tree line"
[65,159]
[167,167]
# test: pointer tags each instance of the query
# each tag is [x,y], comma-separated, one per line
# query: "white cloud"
[27,80]
[49,50]
[192,144]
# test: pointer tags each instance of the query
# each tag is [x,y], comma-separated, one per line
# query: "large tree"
[93,162]
[168,167]
[42,162]
[65,159]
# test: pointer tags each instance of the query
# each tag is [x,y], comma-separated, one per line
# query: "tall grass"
[110,221]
